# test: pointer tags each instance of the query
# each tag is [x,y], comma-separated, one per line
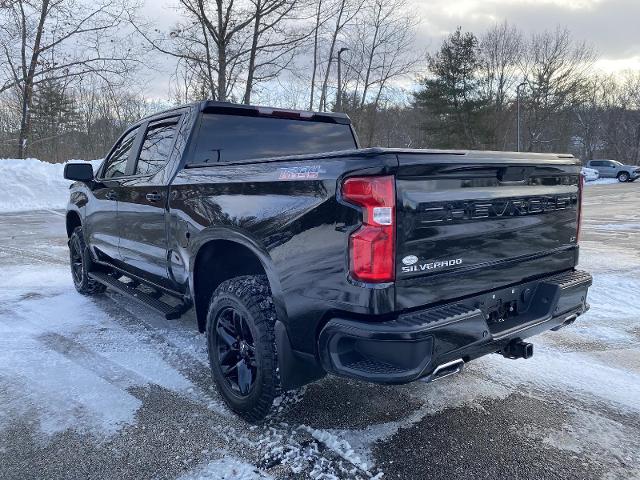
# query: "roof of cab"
[210,106]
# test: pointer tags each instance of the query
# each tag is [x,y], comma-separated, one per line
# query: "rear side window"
[117,163]
[596,164]
[232,138]
[156,148]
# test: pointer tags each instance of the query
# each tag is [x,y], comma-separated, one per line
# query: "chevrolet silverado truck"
[303,254]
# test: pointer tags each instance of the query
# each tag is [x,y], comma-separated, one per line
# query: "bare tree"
[621,119]
[229,43]
[319,22]
[383,51]
[555,68]
[342,12]
[501,50]
[53,40]
[274,41]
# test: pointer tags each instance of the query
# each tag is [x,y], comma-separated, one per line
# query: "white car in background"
[590,174]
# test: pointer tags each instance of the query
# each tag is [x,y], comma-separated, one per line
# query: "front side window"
[156,148]
[117,163]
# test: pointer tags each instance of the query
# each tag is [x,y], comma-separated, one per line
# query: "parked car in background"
[615,169]
[590,174]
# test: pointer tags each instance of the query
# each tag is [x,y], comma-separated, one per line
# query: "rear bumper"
[416,344]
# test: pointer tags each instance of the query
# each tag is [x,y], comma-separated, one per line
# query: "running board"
[170,312]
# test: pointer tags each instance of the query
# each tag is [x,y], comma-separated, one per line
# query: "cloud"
[610,26]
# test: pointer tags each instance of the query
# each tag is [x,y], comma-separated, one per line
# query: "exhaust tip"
[445,370]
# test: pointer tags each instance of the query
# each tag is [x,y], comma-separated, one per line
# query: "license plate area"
[512,308]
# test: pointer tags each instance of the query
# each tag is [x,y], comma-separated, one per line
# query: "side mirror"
[80,172]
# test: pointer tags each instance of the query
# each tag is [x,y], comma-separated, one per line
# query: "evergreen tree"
[54,117]
[450,98]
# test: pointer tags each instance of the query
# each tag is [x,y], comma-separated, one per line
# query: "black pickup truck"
[303,254]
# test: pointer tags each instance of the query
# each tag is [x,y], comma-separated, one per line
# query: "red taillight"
[372,246]
[580,194]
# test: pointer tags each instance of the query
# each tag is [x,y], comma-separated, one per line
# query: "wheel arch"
[220,256]
[72,222]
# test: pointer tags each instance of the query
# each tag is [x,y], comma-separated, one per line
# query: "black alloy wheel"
[75,254]
[236,351]
[81,265]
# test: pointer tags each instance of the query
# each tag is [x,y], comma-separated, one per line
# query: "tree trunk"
[252,53]
[27,90]
[315,55]
[221,44]
[334,38]
[371,55]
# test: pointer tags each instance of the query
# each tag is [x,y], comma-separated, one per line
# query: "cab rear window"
[234,138]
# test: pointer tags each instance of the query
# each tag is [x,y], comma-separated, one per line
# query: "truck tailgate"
[474,221]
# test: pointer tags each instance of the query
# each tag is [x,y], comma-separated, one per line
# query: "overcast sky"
[612,27]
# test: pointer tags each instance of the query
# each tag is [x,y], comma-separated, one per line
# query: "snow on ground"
[71,364]
[603,181]
[226,468]
[66,364]
[31,184]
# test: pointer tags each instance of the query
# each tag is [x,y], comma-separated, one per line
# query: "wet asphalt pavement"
[105,388]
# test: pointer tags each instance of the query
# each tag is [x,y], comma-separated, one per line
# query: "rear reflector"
[580,201]
[372,246]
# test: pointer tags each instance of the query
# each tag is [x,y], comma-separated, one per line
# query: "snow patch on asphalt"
[603,181]
[337,445]
[30,184]
[227,468]
[468,389]
[614,227]
[576,374]
[66,363]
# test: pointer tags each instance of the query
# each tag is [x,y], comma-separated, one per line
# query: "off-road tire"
[81,280]
[251,296]
[623,177]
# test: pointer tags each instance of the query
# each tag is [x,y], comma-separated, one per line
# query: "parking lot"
[105,388]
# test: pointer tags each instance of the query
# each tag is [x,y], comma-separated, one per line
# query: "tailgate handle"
[512,182]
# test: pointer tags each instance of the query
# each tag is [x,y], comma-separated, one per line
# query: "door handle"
[111,195]
[154,196]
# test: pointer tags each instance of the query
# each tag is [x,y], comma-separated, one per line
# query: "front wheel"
[241,343]
[623,177]
[80,265]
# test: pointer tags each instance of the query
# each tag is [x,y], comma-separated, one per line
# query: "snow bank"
[31,184]
[603,181]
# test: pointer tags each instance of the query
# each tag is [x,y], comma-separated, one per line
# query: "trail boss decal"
[309,172]
[408,268]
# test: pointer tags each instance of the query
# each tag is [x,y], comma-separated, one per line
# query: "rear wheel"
[623,177]
[80,261]
[241,343]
